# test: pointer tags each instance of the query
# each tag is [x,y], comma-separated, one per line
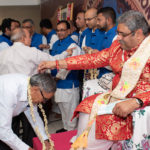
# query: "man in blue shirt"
[6,30]
[106,21]
[92,41]
[48,31]
[67,93]
[8,25]
[94,37]
[37,40]
[81,25]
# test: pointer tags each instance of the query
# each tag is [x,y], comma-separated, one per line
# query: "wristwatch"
[139,101]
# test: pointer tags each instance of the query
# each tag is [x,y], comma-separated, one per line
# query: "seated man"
[129,58]
[18,93]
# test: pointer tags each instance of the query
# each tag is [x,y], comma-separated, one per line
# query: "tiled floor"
[54,123]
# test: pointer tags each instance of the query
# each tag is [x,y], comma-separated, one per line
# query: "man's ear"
[7,29]
[109,19]
[139,34]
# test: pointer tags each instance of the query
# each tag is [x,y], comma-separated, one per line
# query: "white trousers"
[93,144]
[139,141]
[69,100]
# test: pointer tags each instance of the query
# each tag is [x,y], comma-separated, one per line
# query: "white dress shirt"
[53,39]
[24,59]
[62,74]
[13,101]
[3,45]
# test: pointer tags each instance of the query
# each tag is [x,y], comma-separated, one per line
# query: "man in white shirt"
[15,93]
[67,94]
[20,58]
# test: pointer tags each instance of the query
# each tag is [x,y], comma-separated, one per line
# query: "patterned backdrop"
[121,5]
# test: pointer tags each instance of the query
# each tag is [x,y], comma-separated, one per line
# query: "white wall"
[19,2]
[21,12]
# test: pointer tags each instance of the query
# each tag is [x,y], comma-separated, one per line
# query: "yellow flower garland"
[34,120]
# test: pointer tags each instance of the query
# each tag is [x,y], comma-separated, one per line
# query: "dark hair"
[108,12]
[44,81]
[81,11]
[134,20]
[28,20]
[46,23]
[13,20]
[65,22]
[6,23]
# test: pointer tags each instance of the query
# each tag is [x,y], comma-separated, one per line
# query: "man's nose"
[119,37]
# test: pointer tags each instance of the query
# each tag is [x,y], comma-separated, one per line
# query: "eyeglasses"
[44,99]
[124,34]
[61,30]
[89,19]
[26,27]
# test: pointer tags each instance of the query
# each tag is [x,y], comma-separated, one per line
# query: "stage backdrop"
[49,7]
[121,5]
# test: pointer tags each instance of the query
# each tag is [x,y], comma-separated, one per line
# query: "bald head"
[17,34]
[92,12]
[90,18]
[21,35]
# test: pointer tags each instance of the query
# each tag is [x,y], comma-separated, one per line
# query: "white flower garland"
[34,120]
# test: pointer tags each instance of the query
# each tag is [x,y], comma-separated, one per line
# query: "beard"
[104,27]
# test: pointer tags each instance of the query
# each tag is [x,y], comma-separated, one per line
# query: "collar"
[64,40]
[6,36]
[113,29]
[18,43]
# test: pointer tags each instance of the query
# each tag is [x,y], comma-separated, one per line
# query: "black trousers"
[28,132]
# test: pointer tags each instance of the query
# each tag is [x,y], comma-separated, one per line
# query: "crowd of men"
[95,44]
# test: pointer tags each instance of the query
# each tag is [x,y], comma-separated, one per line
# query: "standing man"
[20,58]
[37,40]
[81,25]
[48,31]
[16,96]
[6,30]
[73,31]
[67,94]
[106,21]
[8,25]
[94,36]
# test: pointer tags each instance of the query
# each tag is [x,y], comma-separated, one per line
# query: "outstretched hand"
[70,51]
[46,65]
[87,50]
[44,46]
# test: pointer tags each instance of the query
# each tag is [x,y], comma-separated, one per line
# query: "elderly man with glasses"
[118,119]
[19,93]
[67,93]
[20,58]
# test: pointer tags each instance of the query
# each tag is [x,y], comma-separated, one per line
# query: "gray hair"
[134,20]
[44,81]
[28,20]
[17,34]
